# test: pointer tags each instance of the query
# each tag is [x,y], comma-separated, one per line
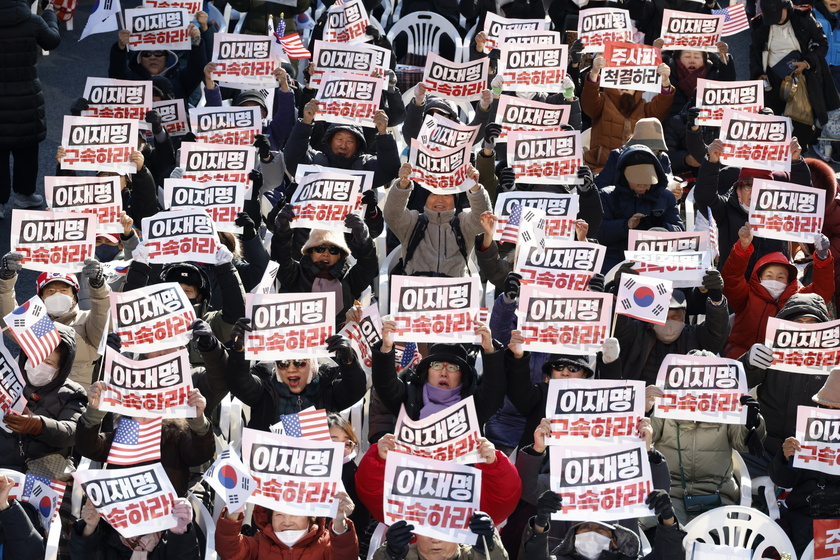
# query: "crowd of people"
[645,154]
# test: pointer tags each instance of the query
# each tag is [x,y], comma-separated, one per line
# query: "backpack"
[417,236]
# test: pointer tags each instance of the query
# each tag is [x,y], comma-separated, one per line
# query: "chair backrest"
[424,30]
[742,475]
[204,519]
[808,553]
[388,265]
[740,527]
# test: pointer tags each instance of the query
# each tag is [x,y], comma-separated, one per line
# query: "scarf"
[687,79]
[436,399]
[330,284]
[142,545]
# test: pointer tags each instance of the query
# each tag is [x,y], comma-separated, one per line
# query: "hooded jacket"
[125,65]
[105,544]
[753,304]
[319,543]
[620,203]
[22,36]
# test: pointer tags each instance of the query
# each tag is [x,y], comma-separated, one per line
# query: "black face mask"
[106,253]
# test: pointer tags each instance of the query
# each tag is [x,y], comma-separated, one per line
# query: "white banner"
[363,335]
[441,171]
[430,309]
[95,144]
[632,66]
[713,97]
[158,29]
[192,6]
[11,386]
[347,98]
[441,133]
[755,141]
[358,58]
[818,432]
[226,125]
[689,30]
[545,157]
[600,409]
[561,264]
[563,321]
[803,348]
[786,211]
[153,318]
[560,211]
[645,241]
[244,61]
[117,99]
[289,325]
[173,116]
[449,435]
[100,196]
[523,115]
[494,26]
[176,236]
[346,22]
[685,268]
[323,200]
[529,67]
[458,81]
[220,200]
[598,26]
[216,162]
[51,240]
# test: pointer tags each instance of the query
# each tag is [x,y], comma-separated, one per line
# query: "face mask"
[106,253]
[774,287]
[290,537]
[670,331]
[591,544]
[39,375]
[745,207]
[529,95]
[58,304]
[349,457]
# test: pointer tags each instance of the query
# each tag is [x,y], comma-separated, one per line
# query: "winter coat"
[610,128]
[414,115]
[648,13]
[18,536]
[753,304]
[105,544]
[609,174]
[802,482]
[257,12]
[22,36]
[831,226]
[620,203]
[829,22]
[463,552]
[715,70]
[59,403]
[125,65]
[318,544]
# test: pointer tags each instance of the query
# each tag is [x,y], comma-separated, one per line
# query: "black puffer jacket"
[22,35]
[125,65]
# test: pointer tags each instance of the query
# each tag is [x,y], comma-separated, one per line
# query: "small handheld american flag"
[135,442]
[734,19]
[308,424]
[511,232]
[34,330]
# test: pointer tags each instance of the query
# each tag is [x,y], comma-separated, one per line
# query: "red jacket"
[318,544]
[500,485]
[753,304]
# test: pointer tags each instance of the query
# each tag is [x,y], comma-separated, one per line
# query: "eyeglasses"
[149,54]
[570,369]
[449,367]
[348,444]
[284,364]
[333,250]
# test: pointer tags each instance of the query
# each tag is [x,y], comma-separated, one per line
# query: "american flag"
[45,495]
[34,330]
[309,424]
[511,232]
[714,246]
[294,46]
[734,19]
[135,442]
[408,356]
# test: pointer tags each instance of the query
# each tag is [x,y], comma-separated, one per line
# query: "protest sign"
[646,299]
[594,408]
[346,22]
[154,388]
[786,211]
[545,157]
[266,285]
[173,116]
[449,435]
[243,61]
[32,328]
[229,477]
[363,335]
[458,81]
[96,144]
[560,211]
[192,6]
[528,67]
[176,236]
[347,98]
[50,240]
[701,389]
[117,99]
[226,125]
[645,241]
[685,268]
[826,539]
[100,196]
[289,325]
[631,66]
[818,433]
[598,26]
[11,386]
[296,476]
[359,58]
[756,141]
[441,171]
[600,482]
[522,115]
[803,348]
[441,133]
[219,199]
[713,97]
[306,169]
[432,309]
[494,25]
[563,321]
[158,29]
[153,318]
[134,501]
[323,200]
[532,37]
[561,264]
[689,30]
[437,497]
[214,162]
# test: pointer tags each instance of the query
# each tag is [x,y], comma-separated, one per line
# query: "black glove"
[576,51]
[357,228]
[113,341]
[588,180]
[153,118]
[494,54]
[237,334]
[249,228]
[549,502]
[188,137]
[754,443]
[596,283]
[262,144]
[753,410]
[691,118]
[93,272]
[79,105]
[284,218]
[482,525]
[713,283]
[507,180]
[369,199]
[626,268]
[491,134]
[203,336]
[660,502]
[256,181]
[340,346]
[513,281]
[10,265]
[397,538]
[373,32]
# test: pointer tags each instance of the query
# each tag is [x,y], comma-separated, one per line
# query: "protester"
[341,431]
[648,132]
[18,536]
[400,534]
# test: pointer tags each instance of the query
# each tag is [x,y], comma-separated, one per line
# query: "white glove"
[760,356]
[177,173]
[497,82]
[610,350]
[223,255]
[821,244]
[141,254]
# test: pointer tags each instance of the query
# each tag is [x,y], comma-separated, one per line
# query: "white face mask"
[670,331]
[591,544]
[350,457]
[58,304]
[774,287]
[39,375]
[529,95]
[290,537]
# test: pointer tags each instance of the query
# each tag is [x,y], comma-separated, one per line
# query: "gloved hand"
[12,262]
[373,32]
[596,283]
[482,525]
[256,181]
[263,146]
[284,218]
[760,356]
[753,410]
[713,283]
[340,346]
[369,199]
[203,336]
[660,502]
[754,443]
[92,270]
[31,425]
[397,538]
[188,137]
[357,228]
[821,244]
[494,54]
[626,268]
[511,287]
[691,118]
[153,118]
[237,334]
[549,502]
[576,51]
[392,80]
[610,350]
[114,341]
[507,180]
[588,179]
[79,105]
[491,134]
[223,255]
[249,228]
[141,254]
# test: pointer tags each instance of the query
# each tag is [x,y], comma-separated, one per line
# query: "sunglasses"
[284,364]
[149,54]
[570,369]
[333,250]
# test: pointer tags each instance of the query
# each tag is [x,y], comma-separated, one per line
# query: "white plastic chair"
[385,280]
[742,475]
[424,30]
[808,553]
[740,527]
[207,524]
[769,495]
